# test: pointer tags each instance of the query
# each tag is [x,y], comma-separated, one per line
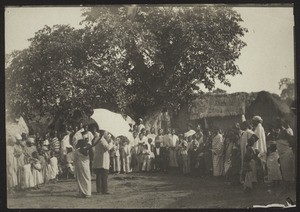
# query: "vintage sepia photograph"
[150,106]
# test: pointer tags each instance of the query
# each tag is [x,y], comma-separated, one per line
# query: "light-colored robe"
[37,174]
[28,177]
[53,171]
[82,173]
[227,158]
[101,154]
[11,161]
[217,156]
[261,144]
[18,152]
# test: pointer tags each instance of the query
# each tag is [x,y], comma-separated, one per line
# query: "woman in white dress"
[28,150]
[53,168]
[11,165]
[82,168]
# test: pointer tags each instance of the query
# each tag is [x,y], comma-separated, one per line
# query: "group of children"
[28,164]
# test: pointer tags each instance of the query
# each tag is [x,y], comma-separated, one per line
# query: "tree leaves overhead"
[155,59]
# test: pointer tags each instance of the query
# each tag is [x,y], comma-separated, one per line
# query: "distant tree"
[219,91]
[287,87]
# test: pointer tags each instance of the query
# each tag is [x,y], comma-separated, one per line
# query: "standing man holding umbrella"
[101,159]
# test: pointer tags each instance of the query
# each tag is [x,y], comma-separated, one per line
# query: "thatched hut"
[270,107]
[212,110]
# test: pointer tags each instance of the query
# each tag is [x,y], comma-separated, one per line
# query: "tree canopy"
[156,59]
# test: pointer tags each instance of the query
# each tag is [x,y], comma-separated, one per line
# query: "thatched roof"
[268,104]
[218,105]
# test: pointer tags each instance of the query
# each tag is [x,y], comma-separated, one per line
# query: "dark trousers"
[157,162]
[101,180]
[164,158]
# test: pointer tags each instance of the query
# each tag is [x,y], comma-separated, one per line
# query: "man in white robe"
[261,144]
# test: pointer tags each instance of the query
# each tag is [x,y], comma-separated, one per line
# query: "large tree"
[58,74]
[170,51]
[156,59]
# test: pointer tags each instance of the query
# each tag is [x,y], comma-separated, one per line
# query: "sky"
[268,56]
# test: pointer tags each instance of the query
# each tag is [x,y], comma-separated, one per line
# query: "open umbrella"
[112,122]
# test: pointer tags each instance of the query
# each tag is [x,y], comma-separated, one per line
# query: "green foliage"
[155,59]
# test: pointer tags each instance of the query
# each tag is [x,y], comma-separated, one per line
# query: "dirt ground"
[151,190]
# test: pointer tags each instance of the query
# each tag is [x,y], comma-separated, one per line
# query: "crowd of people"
[243,155]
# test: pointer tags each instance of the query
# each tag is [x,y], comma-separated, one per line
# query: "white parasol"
[112,122]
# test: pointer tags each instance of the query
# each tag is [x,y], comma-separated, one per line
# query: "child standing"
[116,157]
[134,152]
[146,157]
[150,141]
[273,166]
[249,167]
[36,170]
[124,155]
[53,167]
[140,157]
[186,169]
[127,149]
[70,161]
